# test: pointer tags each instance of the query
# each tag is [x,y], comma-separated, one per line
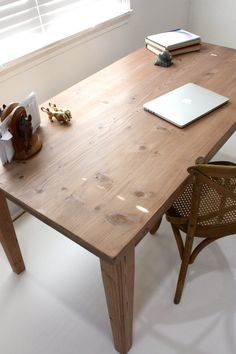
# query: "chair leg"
[201,246]
[154,229]
[183,269]
[178,240]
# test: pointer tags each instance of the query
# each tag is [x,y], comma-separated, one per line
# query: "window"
[28,25]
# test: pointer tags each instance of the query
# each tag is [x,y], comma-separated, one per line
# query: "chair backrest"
[213,194]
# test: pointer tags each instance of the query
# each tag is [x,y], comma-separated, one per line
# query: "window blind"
[35,23]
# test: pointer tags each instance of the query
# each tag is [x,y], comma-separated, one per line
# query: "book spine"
[189,49]
[153,49]
[176,51]
[154,44]
[174,46]
[184,44]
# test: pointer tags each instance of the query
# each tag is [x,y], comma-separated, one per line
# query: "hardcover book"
[173,39]
[182,50]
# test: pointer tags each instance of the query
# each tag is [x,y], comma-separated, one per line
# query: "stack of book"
[176,42]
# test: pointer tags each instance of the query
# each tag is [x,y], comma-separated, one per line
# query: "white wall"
[214,21]
[74,64]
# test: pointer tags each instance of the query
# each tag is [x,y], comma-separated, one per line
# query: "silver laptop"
[185,104]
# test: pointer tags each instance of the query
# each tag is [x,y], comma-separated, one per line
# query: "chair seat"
[209,230]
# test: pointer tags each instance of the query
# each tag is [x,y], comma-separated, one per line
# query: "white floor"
[57,306]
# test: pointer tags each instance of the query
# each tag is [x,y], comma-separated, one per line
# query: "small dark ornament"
[25,142]
[164,59]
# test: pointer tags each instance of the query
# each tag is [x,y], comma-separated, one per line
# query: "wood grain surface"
[104,179]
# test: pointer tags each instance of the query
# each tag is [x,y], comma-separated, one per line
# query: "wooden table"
[106,179]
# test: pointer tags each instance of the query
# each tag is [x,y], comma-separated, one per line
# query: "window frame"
[44,53]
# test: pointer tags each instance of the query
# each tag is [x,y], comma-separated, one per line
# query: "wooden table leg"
[8,238]
[118,280]
[154,229]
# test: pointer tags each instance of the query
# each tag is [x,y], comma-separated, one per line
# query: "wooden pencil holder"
[25,142]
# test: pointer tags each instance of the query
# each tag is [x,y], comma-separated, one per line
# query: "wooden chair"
[206,209]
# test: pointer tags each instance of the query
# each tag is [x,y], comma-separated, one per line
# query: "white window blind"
[27,25]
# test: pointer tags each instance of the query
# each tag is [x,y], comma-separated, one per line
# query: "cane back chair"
[205,209]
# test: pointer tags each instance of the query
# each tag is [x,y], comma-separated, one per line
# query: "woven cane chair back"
[215,191]
[206,208]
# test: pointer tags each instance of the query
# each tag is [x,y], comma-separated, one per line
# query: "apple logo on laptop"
[187,100]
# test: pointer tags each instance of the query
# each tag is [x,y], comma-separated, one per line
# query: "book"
[187,49]
[173,39]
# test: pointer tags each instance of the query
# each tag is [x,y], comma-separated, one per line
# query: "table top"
[103,179]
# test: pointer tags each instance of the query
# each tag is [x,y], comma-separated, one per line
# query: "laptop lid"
[185,104]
